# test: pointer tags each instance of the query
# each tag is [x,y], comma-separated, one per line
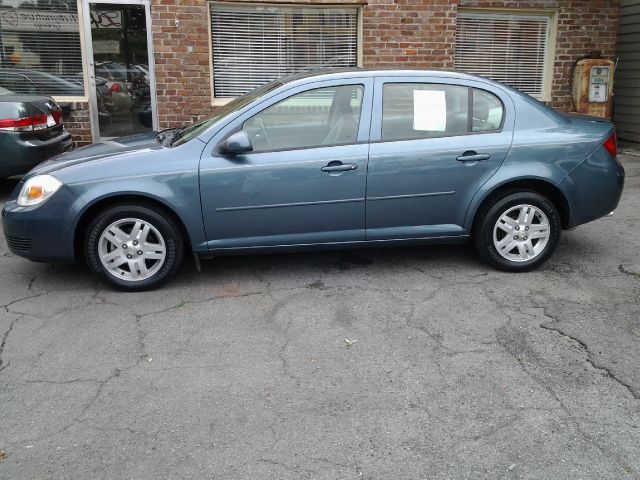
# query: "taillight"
[116,88]
[27,124]
[611,145]
[57,116]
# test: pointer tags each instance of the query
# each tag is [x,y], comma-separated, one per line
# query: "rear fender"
[514,174]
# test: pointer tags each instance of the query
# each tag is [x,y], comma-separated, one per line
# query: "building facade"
[125,66]
[627,85]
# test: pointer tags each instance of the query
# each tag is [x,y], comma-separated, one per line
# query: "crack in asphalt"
[570,415]
[4,342]
[7,305]
[286,368]
[504,309]
[606,371]
[628,272]
[101,384]
[293,469]
[77,419]
[59,382]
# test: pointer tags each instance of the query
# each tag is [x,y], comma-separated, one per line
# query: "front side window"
[254,44]
[314,118]
[40,48]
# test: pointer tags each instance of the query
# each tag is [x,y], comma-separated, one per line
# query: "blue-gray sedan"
[332,159]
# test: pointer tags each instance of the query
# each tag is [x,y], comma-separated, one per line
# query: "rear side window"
[418,110]
[487,111]
[421,110]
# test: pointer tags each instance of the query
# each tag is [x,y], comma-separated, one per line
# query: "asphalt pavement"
[407,363]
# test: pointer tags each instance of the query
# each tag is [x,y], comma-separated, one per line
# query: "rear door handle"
[339,167]
[471,156]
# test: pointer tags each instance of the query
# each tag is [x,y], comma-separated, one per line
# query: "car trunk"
[24,106]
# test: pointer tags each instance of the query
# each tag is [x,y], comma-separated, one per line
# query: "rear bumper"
[593,189]
[20,153]
[44,233]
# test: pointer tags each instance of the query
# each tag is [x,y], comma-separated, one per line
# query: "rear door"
[434,142]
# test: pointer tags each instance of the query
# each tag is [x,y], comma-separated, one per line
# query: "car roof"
[346,73]
[343,73]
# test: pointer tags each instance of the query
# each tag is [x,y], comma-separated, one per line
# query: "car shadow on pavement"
[300,267]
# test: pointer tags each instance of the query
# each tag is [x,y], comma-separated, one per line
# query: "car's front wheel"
[517,232]
[133,247]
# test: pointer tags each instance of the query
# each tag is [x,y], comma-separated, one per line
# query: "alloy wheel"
[521,233]
[132,249]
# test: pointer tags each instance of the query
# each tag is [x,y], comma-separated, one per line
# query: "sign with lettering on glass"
[32,20]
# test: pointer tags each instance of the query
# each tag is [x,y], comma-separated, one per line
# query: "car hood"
[100,152]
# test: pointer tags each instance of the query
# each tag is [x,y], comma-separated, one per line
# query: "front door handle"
[471,156]
[337,166]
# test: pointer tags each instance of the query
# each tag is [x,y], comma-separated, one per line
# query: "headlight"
[38,189]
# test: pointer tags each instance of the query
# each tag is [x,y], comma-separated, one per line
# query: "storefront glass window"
[40,47]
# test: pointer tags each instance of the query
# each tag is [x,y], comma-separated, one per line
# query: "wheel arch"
[134,199]
[537,185]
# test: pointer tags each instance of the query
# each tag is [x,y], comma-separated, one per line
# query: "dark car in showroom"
[31,131]
[34,82]
[104,100]
[335,159]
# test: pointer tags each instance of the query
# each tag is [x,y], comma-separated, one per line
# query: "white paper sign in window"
[429,110]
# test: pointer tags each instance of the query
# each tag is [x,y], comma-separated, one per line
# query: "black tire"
[493,209]
[163,223]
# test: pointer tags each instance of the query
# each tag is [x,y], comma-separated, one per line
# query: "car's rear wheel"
[133,247]
[517,231]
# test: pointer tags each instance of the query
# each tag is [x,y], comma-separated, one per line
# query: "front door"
[305,180]
[120,68]
[433,145]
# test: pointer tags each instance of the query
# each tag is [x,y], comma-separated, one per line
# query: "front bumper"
[42,233]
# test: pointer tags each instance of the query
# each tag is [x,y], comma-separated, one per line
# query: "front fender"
[177,191]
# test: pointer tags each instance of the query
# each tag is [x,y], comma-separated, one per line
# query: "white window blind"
[253,45]
[504,47]
[40,47]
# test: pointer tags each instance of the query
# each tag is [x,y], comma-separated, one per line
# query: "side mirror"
[236,144]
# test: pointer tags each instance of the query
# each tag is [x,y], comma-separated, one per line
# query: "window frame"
[357,4]
[376,126]
[504,112]
[550,50]
[310,147]
[236,123]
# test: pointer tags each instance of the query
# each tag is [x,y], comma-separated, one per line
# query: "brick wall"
[78,123]
[182,60]
[421,34]
[396,33]
[409,33]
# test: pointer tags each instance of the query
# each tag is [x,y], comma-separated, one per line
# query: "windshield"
[196,129]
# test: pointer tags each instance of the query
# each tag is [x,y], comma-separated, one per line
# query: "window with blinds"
[509,48]
[40,47]
[253,45]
